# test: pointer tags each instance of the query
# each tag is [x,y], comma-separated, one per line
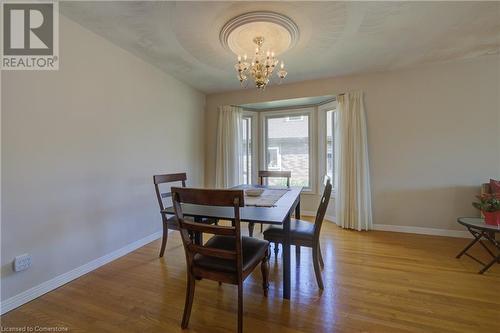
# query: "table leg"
[477,237]
[297,210]
[198,236]
[286,258]
[485,268]
[496,258]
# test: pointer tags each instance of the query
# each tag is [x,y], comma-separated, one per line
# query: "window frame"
[254,118]
[322,143]
[308,111]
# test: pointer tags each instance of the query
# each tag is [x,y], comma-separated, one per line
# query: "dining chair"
[305,234]
[269,174]
[169,223]
[227,256]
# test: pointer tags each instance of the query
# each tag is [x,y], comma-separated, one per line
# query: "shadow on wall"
[7,270]
[429,208]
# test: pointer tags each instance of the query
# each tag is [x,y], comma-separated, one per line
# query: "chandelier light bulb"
[282,65]
[239,58]
[245,57]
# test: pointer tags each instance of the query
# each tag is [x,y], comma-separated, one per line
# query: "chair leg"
[240,307]
[261,227]
[264,267]
[251,225]
[189,300]
[321,262]
[164,240]
[317,269]
[297,253]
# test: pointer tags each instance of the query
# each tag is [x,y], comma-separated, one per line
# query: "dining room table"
[278,214]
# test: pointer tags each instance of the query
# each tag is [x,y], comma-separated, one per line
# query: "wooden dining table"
[279,214]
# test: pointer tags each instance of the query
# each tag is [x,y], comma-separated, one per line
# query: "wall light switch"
[22,262]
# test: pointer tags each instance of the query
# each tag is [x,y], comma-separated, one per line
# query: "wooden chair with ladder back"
[269,174]
[304,233]
[227,256]
[169,223]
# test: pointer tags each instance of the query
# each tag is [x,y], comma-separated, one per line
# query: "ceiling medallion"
[259,37]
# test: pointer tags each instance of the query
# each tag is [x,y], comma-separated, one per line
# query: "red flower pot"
[492,218]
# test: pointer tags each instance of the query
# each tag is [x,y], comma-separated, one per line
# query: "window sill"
[310,192]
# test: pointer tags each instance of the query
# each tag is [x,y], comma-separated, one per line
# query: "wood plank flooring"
[374,282]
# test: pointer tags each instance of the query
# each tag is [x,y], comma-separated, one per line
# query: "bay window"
[300,140]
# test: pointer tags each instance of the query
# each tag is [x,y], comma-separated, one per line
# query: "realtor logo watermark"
[30,35]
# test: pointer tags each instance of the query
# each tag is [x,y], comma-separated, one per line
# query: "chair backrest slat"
[167,178]
[209,197]
[170,178]
[275,174]
[211,229]
[211,252]
[323,205]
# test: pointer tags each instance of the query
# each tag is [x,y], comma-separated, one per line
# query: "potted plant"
[489,204]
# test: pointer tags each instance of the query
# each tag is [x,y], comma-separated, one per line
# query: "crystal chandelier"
[262,66]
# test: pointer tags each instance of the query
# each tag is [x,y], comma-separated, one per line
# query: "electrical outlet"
[22,262]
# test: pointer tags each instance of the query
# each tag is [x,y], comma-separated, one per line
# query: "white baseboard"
[422,231]
[37,291]
[313,214]
[408,229]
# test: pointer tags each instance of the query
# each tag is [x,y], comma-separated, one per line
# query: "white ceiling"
[336,38]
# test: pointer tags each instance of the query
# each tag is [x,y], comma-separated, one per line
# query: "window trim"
[309,111]
[254,116]
[322,143]
[247,126]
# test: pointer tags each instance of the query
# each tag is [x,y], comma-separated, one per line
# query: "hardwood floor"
[374,282]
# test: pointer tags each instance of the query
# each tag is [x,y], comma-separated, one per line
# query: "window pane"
[247,150]
[287,141]
[330,145]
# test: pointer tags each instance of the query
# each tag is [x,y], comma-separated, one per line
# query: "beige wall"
[433,131]
[79,148]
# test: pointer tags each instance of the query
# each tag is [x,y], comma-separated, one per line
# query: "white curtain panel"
[353,197]
[228,163]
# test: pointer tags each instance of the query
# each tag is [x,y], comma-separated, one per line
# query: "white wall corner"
[44,287]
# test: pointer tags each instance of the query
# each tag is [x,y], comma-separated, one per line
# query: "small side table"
[480,230]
